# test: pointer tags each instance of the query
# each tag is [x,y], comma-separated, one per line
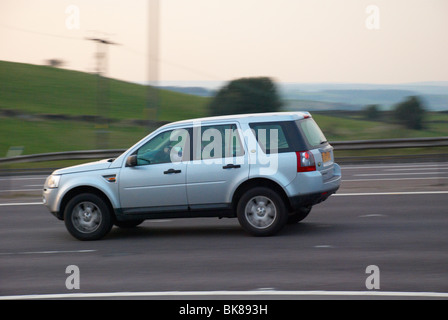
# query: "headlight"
[53,181]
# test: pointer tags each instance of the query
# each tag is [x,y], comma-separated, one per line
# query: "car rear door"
[218,167]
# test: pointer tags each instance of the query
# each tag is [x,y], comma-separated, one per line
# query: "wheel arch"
[259,182]
[84,189]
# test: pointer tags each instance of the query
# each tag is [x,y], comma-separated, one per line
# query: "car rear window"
[312,133]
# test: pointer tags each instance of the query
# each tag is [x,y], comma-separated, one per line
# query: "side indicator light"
[111,178]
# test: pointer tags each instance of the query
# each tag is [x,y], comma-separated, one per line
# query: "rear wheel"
[299,215]
[128,224]
[261,212]
[87,217]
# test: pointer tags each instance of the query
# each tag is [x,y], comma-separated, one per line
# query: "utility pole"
[102,114]
[153,101]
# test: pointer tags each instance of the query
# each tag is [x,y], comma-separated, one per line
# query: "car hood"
[97,165]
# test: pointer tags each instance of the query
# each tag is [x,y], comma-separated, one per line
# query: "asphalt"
[394,217]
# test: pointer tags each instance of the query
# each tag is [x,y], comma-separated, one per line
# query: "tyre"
[128,224]
[261,212]
[87,217]
[299,215]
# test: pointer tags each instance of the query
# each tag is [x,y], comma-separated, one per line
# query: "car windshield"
[312,132]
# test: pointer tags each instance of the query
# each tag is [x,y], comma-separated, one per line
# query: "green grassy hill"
[32,90]
[41,89]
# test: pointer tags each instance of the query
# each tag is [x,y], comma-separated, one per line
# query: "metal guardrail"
[391,143]
[338,145]
[69,155]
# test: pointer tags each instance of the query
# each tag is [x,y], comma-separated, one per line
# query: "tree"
[55,63]
[246,95]
[372,112]
[410,113]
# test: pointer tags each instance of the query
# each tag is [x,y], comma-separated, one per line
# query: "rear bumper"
[309,189]
[312,199]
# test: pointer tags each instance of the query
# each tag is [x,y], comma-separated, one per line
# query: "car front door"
[156,181]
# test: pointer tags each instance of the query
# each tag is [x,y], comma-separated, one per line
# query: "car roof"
[250,117]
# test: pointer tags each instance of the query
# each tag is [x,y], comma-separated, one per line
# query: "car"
[266,170]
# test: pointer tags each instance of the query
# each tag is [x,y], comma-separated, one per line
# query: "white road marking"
[45,252]
[395,174]
[389,193]
[337,194]
[411,169]
[415,165]
[14,178]
[229,293]
[18,204]
[372,215]
[394,179]
[21,190]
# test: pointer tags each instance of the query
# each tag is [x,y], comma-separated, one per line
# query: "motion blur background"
[74,74]
[96,76]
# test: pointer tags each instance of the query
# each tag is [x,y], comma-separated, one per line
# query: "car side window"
[219,141]
[271,137]
[166,147]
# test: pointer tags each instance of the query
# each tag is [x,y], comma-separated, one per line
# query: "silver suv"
[265,169]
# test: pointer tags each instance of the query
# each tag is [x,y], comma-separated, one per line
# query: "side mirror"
[131,161]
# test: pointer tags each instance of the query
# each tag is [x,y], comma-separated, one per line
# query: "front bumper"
[49,199]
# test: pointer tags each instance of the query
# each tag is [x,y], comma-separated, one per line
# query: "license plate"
[326,156]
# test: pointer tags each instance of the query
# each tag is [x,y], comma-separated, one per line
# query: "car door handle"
[170,171]
[232,166]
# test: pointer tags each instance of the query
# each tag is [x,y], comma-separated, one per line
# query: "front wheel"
[262,212]
[87,217]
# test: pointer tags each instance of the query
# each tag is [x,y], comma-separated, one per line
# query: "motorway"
[391,216]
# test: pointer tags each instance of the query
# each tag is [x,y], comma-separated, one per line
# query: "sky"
[306,41]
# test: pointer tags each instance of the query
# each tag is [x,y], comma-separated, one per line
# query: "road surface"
[393,217]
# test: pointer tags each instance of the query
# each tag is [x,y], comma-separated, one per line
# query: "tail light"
[305,162]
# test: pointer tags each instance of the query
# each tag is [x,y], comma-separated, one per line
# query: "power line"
[124,47]
[173,64]
[39,32]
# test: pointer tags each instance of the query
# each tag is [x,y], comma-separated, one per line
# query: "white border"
[228,293]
